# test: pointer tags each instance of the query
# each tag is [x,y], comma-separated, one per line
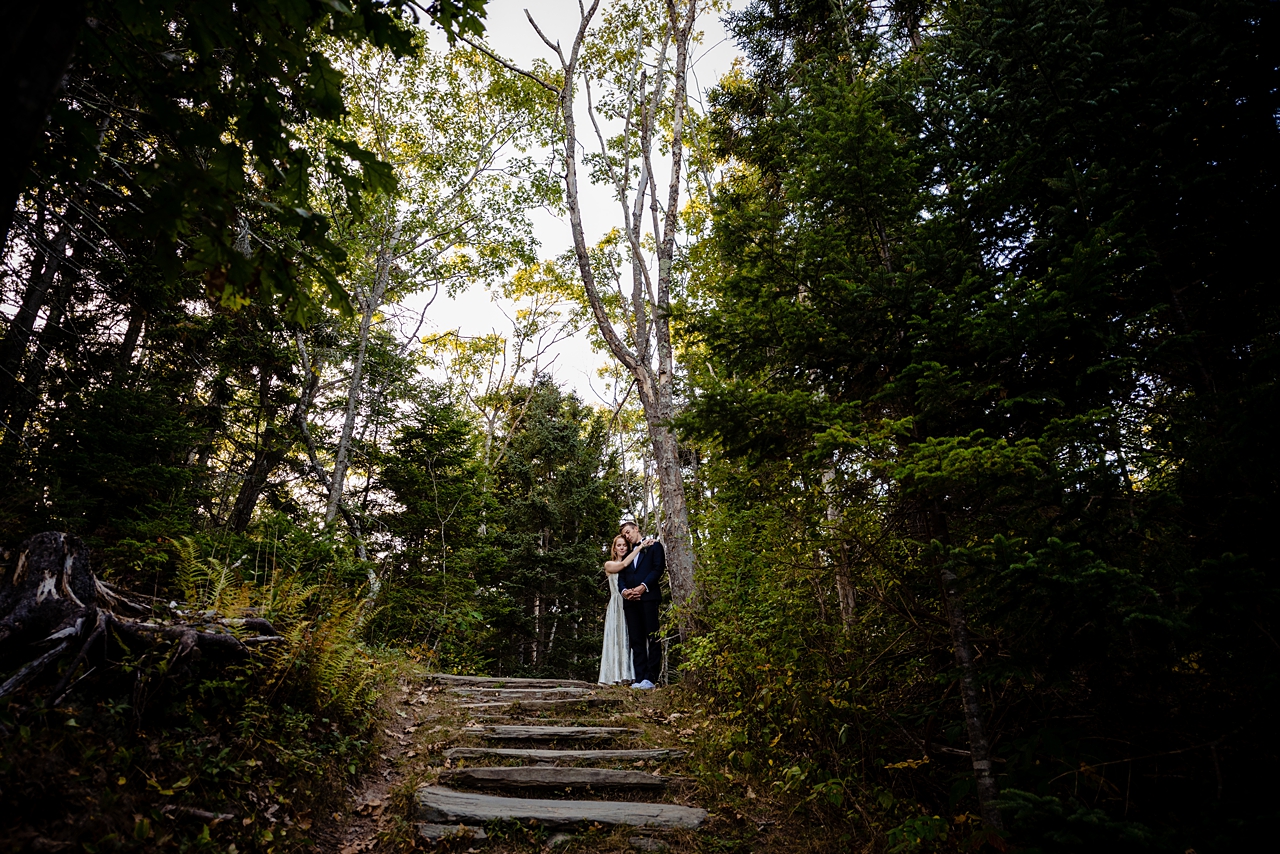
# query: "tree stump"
[50,600]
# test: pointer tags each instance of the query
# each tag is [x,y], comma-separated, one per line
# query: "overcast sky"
[475,311]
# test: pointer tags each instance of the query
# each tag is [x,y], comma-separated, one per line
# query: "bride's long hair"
[613,548]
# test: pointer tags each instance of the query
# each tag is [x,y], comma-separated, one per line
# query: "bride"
[615,658]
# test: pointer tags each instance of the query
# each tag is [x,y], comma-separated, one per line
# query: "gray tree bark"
[300,418]
[369,304]
[17,338]
[37,365]
[979,748]
[653,369]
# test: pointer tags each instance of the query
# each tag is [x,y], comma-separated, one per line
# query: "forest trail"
[560,764]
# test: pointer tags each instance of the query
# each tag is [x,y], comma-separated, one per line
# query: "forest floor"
[418,721]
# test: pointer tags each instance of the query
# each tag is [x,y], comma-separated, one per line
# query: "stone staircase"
[586,770]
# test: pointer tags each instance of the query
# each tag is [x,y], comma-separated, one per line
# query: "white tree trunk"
[652,367]
[369,305]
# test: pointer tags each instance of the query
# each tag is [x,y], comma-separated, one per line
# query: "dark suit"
[642,614]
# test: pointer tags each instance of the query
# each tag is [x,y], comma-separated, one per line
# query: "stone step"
[541,755]
[500,732]
[543,705]
[505,682]
[445,806]
[549,776]
[521,693]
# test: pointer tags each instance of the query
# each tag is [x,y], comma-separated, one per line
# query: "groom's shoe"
[644,685]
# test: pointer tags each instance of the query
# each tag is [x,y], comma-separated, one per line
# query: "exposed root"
[51,596]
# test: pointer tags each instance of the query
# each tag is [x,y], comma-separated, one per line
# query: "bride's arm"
[613,567]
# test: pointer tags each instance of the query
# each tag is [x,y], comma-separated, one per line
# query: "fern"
[321,663]
[210,584]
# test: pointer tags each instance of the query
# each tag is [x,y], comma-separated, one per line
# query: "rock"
[549,776]
[553,733]
[565,755]
[438,804]
[645,843]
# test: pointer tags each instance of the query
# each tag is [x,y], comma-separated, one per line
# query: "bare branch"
[515,69]
[553,45]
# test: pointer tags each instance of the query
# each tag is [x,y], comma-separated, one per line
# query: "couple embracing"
[631,651]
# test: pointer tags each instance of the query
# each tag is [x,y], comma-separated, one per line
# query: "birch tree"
[456,132]
[627,73]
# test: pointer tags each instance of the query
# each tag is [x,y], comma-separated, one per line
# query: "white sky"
[476,311]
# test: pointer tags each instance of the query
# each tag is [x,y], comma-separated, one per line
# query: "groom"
[641,599]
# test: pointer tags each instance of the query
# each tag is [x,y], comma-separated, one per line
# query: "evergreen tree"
[993,308]
[541,586]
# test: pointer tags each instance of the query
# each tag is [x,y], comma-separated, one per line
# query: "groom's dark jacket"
[646,569]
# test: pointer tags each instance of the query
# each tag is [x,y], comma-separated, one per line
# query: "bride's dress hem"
[615,655]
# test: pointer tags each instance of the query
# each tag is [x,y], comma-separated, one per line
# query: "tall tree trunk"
[17,338]
[979,749]
[132,335]
[370,305]
[300,419]
[33,372]
[845,592]
[675,511]
[649,312]
[266,456]
[39,41]
[266,459]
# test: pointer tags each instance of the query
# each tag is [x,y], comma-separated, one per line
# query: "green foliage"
[555,508]
[192,111]
[503,578]
[273,736]
[319,664]
[1054,824]
[988,302]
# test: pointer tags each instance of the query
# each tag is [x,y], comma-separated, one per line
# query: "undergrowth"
[153,751]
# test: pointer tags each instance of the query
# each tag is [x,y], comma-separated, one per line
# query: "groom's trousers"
[642,632]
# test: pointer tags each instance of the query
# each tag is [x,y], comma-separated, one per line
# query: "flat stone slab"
[549,776]
[436,832]
[499,732]
[437,804]
[561,755]
[542,705]
[504,682]
[522,693]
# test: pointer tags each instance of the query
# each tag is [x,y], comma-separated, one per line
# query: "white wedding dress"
[615,657]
